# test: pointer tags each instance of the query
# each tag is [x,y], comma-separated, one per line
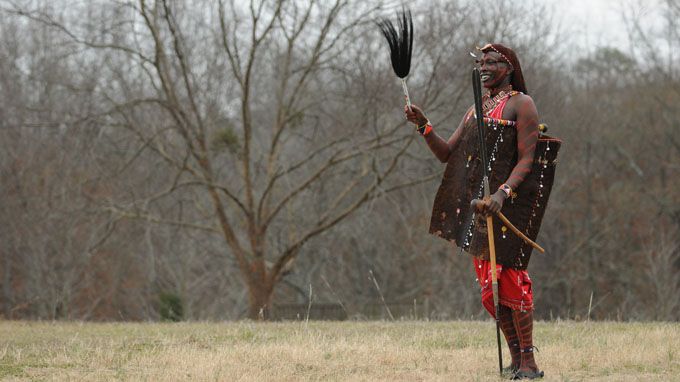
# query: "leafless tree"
[249,138]
[235,154]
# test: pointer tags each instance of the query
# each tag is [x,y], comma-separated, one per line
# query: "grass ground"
[320,351]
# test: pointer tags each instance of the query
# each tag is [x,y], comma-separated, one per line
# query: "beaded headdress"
[517,80]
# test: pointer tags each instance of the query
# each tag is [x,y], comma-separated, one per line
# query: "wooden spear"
[477,88]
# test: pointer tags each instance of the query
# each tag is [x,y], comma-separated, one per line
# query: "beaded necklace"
[491,103]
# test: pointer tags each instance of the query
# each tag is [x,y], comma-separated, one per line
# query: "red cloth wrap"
[514,287]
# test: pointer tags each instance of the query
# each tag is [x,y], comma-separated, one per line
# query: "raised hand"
[415,115]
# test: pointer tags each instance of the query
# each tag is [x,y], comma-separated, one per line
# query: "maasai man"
[512,159]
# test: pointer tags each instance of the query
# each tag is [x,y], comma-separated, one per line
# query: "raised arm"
[440,148]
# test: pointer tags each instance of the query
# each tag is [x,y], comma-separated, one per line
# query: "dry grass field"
[333,351]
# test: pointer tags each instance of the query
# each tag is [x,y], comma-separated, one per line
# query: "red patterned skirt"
[514,287]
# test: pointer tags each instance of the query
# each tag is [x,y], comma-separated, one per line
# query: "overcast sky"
[596,23]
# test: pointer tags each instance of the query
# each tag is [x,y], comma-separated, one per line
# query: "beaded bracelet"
[424,129]
[506,189]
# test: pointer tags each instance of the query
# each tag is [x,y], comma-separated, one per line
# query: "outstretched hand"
[415,115]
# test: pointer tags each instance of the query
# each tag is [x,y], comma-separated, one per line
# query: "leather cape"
[453,219]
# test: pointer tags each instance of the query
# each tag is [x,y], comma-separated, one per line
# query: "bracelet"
[424,129]
[506,189]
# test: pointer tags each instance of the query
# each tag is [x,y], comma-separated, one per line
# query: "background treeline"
[215,160]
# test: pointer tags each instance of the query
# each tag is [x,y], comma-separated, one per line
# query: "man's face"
[493,69]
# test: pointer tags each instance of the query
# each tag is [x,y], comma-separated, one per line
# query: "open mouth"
[485,77]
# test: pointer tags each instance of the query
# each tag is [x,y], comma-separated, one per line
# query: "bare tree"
[250,139]
[221,152]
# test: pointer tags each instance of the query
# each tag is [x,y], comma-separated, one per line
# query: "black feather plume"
[400,41]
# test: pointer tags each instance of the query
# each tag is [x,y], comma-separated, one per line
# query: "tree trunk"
[259,300]
[7,286]
[260,290]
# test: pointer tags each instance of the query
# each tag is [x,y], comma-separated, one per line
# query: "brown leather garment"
[462,182]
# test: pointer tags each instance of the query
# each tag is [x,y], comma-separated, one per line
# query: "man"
[513,146]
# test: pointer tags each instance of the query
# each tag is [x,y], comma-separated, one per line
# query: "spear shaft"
[477,89]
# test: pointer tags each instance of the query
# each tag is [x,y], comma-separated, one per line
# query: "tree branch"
[323,225]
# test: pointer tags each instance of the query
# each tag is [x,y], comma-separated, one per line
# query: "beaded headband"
[489,46]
